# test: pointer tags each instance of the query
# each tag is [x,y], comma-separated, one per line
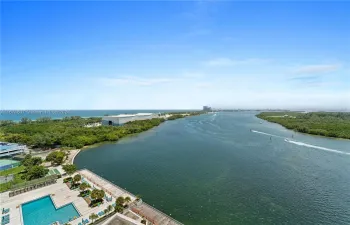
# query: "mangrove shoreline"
[326,124]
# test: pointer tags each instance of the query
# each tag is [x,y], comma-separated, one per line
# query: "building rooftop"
[121,115]
[129,115]
[144,114]
[8,146]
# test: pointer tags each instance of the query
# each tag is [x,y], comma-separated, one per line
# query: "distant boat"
[261,122]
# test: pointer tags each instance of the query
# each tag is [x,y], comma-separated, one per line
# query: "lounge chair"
[86,221]
[5,219]
[4,211]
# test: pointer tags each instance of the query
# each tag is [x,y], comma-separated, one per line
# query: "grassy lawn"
[17,179]
[15,170]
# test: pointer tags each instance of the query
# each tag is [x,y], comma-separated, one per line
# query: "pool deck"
[60,195]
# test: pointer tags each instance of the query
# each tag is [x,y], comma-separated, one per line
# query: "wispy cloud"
[313,80]
[325,68]
[203,85]
[131,80]
[233,62]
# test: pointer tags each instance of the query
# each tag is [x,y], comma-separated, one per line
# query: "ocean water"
[229,168]
[17,115]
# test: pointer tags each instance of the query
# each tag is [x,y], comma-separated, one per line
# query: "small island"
[328,124]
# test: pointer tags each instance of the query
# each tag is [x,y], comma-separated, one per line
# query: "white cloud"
[325,68]
[232,62]
[138,81]
[203,85]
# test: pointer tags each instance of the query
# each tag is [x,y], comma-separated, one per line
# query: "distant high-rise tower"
[206,108]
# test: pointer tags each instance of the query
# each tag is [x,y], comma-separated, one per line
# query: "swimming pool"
[43,212]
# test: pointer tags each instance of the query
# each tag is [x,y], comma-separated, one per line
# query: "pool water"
[43,212]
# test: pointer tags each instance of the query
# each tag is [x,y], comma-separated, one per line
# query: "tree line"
[329,124]
[69,132]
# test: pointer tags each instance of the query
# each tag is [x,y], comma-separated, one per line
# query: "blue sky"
[175,55]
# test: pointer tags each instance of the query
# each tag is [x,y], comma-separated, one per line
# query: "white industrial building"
[124,118]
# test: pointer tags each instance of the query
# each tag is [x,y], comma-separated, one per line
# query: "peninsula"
[329,124]
[76,132]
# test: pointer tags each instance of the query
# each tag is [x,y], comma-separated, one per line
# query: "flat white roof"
[128,115]
[144,114]
[121,115]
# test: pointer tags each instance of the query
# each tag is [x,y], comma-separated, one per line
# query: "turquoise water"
[224,169]
[43,212]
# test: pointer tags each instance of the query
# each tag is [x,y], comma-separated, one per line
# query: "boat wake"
[259,132]
[316,147]
[303,144]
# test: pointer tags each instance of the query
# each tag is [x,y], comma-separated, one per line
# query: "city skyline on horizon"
[175,55]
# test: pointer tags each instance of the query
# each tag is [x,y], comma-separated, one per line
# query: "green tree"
[77,178]
[6,123]
[35,161]
[69,168]
[109,208]
[36,172]
[93,216]
[27,160]
[97,194]
[120,201]
[43,119]
[69,132]
[127,199]
[119,208]
[56,157]
[30,161]
[84,186]
[25,120]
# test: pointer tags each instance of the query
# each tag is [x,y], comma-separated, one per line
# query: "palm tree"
[138,197]
[120,201]
[97,194]
[93,216]
[119,208]
[127,199]
[77,178]
[109,208]
[84,186]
